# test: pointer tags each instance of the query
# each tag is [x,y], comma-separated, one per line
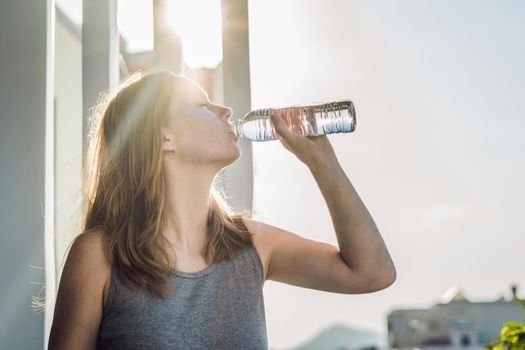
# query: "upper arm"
[307,263]
[79,302]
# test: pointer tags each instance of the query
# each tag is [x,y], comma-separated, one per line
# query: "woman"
[162,262]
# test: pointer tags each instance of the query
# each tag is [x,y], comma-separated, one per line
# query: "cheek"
[201,144]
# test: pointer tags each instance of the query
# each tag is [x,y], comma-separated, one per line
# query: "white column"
[167,53]
[100,53]
[238,178]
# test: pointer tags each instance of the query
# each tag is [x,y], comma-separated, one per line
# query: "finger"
[282,128]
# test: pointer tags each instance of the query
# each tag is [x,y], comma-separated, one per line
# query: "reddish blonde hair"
[125,186]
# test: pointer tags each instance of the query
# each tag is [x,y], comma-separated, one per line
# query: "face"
[198,130]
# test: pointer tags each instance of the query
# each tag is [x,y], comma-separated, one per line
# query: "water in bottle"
[311,120]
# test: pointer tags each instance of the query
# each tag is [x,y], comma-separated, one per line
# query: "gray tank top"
[220,307]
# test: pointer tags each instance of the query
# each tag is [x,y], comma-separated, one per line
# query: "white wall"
[24,110]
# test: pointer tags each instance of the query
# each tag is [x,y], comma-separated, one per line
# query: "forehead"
[186,89]
[186,93]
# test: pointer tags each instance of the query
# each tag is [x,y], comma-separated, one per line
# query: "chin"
[237,156]
[234,157]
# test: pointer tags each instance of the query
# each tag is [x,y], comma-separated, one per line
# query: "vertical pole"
[167,52]
[238,178]
[100,55]
[49,227]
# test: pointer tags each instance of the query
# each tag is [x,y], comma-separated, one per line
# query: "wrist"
[323,161]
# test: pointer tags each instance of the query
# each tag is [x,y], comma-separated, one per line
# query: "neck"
[188,187]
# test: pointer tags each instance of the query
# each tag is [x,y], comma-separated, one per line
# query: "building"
[453,323]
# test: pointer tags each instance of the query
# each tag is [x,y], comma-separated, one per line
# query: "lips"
[235,136]
[231,130]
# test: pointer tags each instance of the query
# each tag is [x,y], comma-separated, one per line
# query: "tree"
[512,335]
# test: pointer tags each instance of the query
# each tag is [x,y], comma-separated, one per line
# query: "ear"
[168,143]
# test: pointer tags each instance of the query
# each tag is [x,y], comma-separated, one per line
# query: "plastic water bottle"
[311,120]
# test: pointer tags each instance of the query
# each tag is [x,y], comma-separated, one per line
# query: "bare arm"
[349,269]
[78,308]
[360,242]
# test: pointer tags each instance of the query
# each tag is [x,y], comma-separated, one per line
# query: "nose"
[227,113]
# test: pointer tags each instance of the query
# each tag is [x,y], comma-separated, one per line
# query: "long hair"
[125,186]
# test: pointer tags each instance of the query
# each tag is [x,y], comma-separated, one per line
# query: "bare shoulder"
[89,242]
[276,245]
[80,297]
[260,241]
[89,249]
[267,240]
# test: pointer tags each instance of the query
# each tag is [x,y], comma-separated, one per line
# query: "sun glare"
[135,22]
[199,24]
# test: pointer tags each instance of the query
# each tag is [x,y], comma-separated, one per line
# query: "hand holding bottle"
[308,149]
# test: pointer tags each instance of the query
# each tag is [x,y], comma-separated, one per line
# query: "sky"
[438,155]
